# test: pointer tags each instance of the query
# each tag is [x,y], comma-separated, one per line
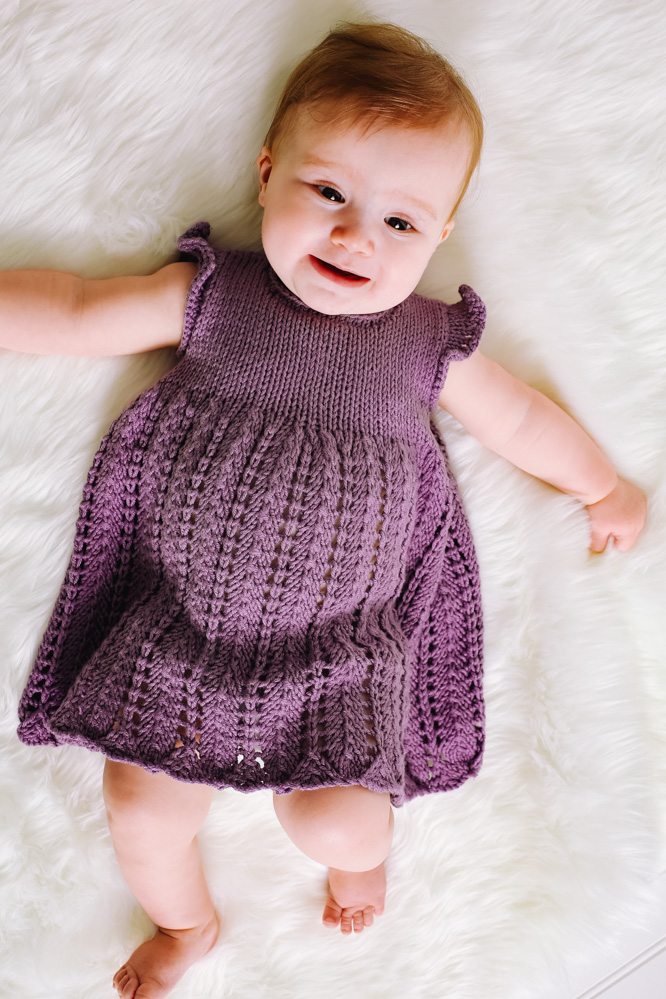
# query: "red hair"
[379,73]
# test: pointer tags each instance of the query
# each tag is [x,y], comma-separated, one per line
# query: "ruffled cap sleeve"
[464,324]
[193,245]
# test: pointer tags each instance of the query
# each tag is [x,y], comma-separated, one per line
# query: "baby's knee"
[351,828]
[144,805]
[346,827]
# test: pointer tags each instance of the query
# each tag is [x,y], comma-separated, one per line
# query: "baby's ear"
[264,165]
[446,230]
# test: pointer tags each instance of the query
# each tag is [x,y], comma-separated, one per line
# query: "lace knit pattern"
[273,583]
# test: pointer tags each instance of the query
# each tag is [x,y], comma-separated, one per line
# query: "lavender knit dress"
[273,583]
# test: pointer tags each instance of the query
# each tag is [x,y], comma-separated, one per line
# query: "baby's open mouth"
[349,275]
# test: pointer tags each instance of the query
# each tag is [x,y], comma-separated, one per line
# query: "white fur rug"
[123,123]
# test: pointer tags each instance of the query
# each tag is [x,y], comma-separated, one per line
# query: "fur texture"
[122,124]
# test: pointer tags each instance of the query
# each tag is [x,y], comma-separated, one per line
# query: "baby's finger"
[599,540]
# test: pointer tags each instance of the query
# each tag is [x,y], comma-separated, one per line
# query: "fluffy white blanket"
[123,123]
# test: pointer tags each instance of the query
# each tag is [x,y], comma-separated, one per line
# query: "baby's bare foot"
[156,966]
[354,898]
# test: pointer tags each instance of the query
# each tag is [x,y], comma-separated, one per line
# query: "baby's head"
[371,149]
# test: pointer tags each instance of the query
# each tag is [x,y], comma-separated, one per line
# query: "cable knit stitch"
[273,583]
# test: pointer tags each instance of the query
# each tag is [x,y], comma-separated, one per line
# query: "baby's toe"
[332,912]
[125,982]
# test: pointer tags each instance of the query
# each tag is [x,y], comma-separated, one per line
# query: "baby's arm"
[528,429]
[54,312]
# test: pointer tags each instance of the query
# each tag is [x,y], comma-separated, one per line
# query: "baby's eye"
[329,193]
[400,225]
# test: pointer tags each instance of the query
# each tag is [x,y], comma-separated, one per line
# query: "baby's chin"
[339,304]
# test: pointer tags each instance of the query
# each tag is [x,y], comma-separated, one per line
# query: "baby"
[272,582]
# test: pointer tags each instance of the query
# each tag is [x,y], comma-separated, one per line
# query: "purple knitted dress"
[273,583]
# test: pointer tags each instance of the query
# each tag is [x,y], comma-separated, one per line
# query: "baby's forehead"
[338,120]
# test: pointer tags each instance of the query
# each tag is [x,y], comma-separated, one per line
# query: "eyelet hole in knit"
[251,753]
[320,735]
[371,741]
[79,564]
[242,752]
[194,506]
[367,709]
[186,713]
[140,702]
[121,711]
[323,590]
[217,626]
[430,762]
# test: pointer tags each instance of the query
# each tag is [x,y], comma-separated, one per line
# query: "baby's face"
[374,206]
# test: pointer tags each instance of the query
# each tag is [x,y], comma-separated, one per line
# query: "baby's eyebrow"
[314,162]
[415,202]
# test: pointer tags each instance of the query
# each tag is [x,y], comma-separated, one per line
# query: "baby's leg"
[350,830]
[153,820]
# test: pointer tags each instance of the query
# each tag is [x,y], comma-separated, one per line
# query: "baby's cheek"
[410,271]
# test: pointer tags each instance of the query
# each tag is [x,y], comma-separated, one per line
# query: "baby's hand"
[620,515]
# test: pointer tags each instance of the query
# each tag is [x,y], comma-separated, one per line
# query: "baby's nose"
[353,235]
